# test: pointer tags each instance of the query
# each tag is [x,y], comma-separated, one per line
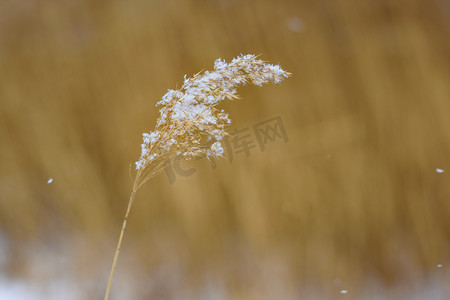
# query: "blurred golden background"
[353,206]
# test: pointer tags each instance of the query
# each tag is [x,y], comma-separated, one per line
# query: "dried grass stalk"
[190,124]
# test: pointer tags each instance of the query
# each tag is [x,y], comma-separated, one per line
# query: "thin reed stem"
[124,225]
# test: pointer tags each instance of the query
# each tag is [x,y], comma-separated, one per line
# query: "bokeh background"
[351,207]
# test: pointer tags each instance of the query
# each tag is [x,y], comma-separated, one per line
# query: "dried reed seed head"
[190,123]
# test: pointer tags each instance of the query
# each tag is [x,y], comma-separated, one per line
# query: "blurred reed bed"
[352,198]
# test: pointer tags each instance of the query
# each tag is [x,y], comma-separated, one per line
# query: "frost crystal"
[189,122]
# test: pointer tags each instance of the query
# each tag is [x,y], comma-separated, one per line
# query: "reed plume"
[190,124]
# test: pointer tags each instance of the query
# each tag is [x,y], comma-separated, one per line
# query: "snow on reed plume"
[190,124]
